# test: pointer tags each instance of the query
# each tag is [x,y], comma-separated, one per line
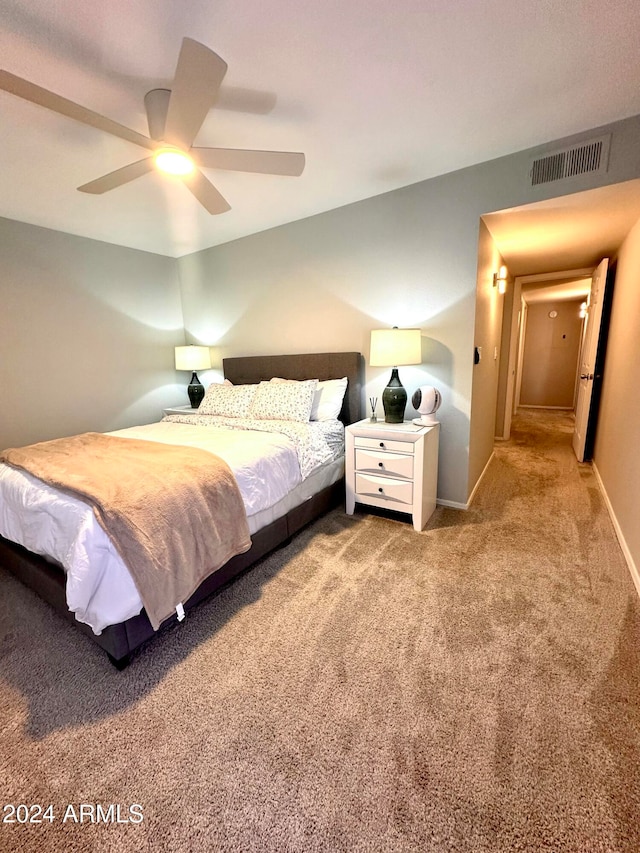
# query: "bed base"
[121,640]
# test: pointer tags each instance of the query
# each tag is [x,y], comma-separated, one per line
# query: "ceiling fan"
[174,117]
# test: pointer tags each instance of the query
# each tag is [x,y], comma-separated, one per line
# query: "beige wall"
[507,340]
[487,336]
[87,332]
[617,449]
[323,283]
[550,354]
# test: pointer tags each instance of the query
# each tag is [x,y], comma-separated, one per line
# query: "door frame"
[591,346]
[512,347]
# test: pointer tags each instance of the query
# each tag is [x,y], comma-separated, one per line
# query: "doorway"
[550,354]
[541,338]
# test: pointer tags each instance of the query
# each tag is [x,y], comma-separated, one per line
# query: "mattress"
[268,463]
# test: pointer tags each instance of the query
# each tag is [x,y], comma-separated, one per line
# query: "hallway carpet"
[474,687]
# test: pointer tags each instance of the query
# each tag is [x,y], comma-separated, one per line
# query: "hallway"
[567,708]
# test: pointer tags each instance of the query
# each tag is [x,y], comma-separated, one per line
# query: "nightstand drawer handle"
[382,444]
[381,490]
[380,464]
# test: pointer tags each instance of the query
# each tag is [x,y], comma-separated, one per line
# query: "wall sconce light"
[391,348]
[500,279]
[192,358]
[583,310]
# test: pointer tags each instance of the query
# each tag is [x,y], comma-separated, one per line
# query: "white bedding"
[267,465]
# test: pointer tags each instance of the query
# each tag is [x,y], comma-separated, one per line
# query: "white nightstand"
[394,466]
[179,410]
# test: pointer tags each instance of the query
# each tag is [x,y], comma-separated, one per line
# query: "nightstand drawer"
[394,464]
[384,444]
[384,487]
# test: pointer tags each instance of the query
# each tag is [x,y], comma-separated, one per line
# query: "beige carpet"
[471,688]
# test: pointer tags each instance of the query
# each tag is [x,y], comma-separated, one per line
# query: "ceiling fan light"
[174,162]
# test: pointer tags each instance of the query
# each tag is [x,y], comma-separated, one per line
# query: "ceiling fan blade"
[206,193]
[44,98]
[241,160]
[156,104]
[119,177]
[198,76]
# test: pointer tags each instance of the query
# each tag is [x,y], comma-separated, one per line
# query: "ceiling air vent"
[587,157]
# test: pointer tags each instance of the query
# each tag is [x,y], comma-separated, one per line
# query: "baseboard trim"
[455,504]
[557,408]
[479,480]
[633,569]
[452,504]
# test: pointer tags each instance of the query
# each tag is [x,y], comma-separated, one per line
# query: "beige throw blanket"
[174,513]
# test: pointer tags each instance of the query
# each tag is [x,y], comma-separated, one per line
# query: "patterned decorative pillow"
[230,401]
[286,401]
[327,401]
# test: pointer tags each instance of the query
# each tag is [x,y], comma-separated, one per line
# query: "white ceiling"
[377,95]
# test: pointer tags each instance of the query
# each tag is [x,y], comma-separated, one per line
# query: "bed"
[318,492]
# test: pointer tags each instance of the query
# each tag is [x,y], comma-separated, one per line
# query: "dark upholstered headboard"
[326,365]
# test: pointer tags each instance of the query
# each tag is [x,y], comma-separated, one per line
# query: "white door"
[588,357]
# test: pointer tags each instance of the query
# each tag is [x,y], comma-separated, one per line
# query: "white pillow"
[327,402]
[283,401]
[231,401]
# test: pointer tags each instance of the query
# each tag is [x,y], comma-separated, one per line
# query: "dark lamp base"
[195,390]
[394,399]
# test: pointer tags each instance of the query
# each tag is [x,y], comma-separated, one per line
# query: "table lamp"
[194,358]
[392,348]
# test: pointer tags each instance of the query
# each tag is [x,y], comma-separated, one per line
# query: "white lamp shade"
[193,358]
[395,347]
